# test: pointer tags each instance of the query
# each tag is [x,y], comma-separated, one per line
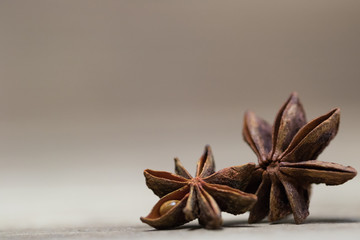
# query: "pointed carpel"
[261,208]
[229,199]
[174,217]
[290,118]
[191,208]
[237,176]
[209,211]
[295,194]
[318,172]
[206,164]
[279,204]
[312,138]
[257,133]
[180,170]
[162,183]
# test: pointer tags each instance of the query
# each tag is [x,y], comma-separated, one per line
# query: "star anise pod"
[287,164]
[184,198]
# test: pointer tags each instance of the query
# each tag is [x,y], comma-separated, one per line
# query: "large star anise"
[286,160]
[184,198]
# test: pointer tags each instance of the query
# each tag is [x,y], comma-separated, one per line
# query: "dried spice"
[184,198]
[286,160]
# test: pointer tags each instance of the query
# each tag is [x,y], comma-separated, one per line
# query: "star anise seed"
[287,164]
[202,197]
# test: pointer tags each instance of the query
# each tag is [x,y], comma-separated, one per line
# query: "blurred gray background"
[94,92]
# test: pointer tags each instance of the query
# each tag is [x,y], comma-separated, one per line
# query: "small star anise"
[184,198]
[286,160]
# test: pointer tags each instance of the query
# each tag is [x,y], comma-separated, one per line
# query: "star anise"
[286,160]
[184,198]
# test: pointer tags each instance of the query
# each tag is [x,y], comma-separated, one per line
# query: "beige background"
[94,92]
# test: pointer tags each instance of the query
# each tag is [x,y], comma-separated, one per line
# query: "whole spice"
[286,160]
[184,198]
